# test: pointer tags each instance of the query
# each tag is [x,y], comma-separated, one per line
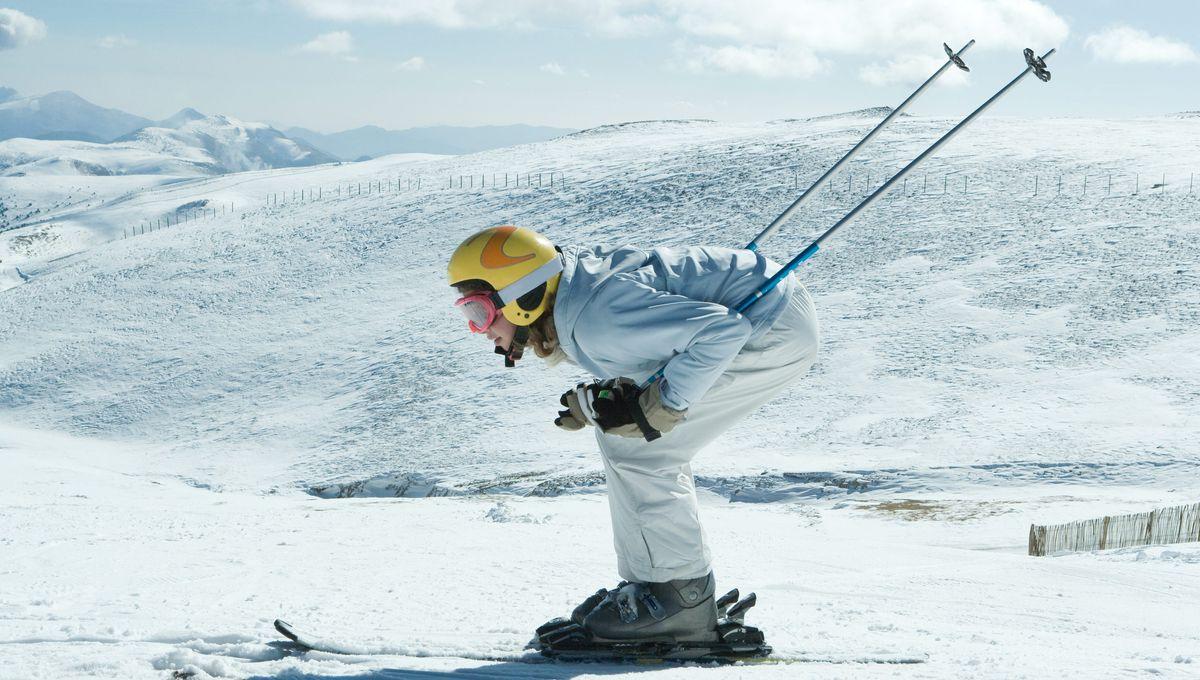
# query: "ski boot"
[675,620]
[593,601]
[683,610]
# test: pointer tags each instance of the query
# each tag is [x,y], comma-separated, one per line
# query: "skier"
[622,314]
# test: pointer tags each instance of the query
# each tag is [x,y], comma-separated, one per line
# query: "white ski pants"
[651,494]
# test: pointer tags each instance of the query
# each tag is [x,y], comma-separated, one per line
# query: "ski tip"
[285,629]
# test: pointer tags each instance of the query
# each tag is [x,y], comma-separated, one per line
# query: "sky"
[336,64]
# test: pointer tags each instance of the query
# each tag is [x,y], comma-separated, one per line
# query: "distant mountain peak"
[62,95]
[181,118]
[374,141]
[63,114]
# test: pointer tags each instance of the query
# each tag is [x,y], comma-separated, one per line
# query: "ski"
[531,655]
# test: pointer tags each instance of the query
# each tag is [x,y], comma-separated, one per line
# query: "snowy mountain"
[277,411]
[373,141]
[181,118]
[187,144]
[231,144]
[60,114]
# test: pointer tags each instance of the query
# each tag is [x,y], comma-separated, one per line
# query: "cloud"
[764,62]
[900,38]
[763,38]
[441,13]
[1128,45]
[911,69]
[18,29]
[7,94]
[109,42]
[411,64]
[623,18]
[336,43]
[552,68]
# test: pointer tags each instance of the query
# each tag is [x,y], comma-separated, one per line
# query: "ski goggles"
[479,309]
[483,308]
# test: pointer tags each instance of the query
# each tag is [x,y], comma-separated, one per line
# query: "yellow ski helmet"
[515,263]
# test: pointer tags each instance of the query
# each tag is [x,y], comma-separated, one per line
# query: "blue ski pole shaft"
[823,179]
[879,193]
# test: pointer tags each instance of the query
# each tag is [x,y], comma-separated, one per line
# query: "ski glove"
[618,407]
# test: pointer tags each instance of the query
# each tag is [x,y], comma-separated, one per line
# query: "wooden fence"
[1178,524]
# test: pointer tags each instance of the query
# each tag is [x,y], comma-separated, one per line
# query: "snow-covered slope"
[991,358]
[21,157]
[966,329]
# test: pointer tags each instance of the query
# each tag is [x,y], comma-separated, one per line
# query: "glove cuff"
[659,418]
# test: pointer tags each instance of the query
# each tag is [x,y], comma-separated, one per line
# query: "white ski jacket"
[625,312]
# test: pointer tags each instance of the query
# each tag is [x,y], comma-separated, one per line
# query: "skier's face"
[501,332]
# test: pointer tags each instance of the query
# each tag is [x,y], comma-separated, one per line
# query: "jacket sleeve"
[627,323]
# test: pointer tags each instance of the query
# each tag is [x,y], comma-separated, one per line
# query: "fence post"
[925,186]
[1137,183]
[1035,185]
[1085,185]
[1162,188]
[945,183]
[1109,190]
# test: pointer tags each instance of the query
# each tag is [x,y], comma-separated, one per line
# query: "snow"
[276,413]
[184,147]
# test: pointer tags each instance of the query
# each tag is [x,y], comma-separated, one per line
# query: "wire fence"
[1028,185]
[852,185]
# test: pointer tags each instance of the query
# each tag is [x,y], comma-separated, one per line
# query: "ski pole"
[954,58]
[1034,64]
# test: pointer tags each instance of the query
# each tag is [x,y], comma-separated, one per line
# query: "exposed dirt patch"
[913,510]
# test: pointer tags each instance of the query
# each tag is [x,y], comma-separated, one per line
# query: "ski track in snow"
[178,409]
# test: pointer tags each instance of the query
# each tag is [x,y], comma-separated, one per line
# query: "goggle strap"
[530,281]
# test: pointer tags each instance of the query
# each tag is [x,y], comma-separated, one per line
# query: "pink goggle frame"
[479,309]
